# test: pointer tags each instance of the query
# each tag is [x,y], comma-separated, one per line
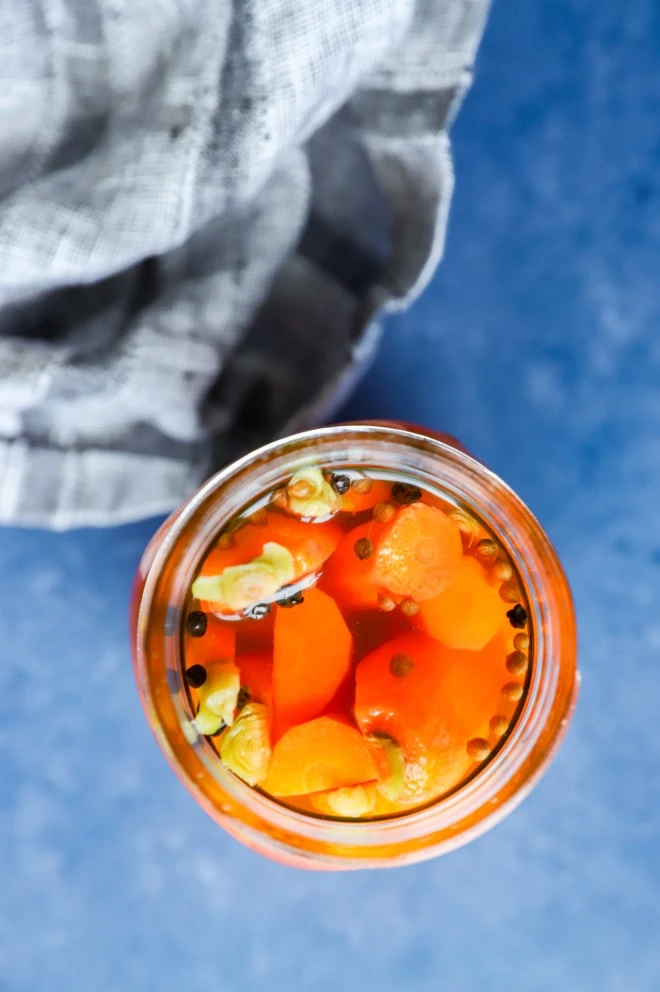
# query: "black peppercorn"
[517,616]
[404,494]
[196,676]
[340,483]
[294,600]
[196,623]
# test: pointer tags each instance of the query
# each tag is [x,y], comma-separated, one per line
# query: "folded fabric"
[204,207]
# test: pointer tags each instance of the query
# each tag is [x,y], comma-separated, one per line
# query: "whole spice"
[383,513]
[401,665]
[195,676]
[478,749]
[410,608]
[404,493]
[512,691]
[362,486]
[340,483]
[243,697]
[487,550]
[510,592]
[363,548]
[517,663]
[517,616]
[498,725]
[386,603]
[291,601]
[521,642]
[502,570]
[196,623]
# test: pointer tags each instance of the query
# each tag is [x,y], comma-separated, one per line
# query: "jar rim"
[477,803]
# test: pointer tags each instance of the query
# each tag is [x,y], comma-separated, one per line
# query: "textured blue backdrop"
[537,344]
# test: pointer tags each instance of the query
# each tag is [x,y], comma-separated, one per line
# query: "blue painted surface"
[538,345]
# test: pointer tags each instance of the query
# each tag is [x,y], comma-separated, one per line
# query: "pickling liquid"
[355,645]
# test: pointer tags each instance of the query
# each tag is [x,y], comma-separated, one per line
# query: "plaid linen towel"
[204,206]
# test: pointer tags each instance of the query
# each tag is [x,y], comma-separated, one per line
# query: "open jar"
[302,837]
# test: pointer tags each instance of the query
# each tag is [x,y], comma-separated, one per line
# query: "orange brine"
[355,644]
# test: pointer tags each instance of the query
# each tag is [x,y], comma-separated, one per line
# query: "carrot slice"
[420,553]
[256,670]
[317,756]
[430,700]
[312,658]
[349,579]
[468,613]
[305,546]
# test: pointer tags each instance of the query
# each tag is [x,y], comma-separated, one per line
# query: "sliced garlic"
[219,694]
[245,748]
[318,498]
[240,586]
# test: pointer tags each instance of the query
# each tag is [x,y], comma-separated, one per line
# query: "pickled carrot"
[317,756]
[468,613]
[311,659]
[348,578]
[430,700]
[419,554]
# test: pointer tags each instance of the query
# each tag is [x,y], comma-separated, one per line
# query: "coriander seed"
[363,548]
[478,749]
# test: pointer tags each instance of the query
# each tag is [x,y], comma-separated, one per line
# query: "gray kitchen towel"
[204,207]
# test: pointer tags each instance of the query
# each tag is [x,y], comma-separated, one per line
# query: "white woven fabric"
[204,204]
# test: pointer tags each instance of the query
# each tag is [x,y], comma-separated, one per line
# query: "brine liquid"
[384,673]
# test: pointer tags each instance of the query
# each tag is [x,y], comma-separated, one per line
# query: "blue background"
[537,344]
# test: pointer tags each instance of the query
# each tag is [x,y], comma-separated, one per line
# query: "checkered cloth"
[204,206]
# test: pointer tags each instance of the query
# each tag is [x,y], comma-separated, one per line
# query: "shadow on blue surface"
[537,345]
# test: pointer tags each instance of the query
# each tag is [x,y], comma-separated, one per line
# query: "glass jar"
[302,839]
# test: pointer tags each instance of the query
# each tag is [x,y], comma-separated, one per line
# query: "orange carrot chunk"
[468,613]
[430,700]
[312,658]
[420,553]
[349,578]
[317,756]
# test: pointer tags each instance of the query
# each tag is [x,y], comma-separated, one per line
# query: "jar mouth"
[474,805]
